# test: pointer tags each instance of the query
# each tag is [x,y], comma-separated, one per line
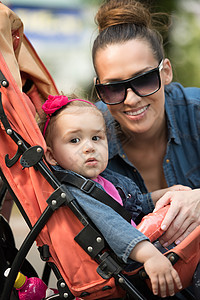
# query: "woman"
[154,124]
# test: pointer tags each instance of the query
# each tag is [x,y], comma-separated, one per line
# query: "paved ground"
[20,230]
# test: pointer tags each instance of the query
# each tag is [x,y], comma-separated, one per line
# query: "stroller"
[67,240]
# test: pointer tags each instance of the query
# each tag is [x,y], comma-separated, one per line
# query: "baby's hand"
[162,275]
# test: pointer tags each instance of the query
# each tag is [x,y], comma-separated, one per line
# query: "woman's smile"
[139,112]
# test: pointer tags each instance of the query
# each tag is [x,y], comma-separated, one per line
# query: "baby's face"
[79,141]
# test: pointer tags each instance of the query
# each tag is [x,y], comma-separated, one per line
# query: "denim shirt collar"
[173,133]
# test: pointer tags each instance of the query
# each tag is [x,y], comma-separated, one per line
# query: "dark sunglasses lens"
[111,94]
[147,83]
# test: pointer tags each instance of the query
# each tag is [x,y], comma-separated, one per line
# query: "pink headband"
[54,103]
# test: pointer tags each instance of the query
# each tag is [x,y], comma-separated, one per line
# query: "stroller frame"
[89,238]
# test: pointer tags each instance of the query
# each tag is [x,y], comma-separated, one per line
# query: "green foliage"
[185,48]
[182,43]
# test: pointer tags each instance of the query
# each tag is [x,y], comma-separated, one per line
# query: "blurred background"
[62,32]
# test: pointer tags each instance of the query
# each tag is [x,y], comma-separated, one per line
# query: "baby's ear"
[49,157]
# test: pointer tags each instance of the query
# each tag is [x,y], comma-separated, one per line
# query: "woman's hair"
[50,128]
[123,20]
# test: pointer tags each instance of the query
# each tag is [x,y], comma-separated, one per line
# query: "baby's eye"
[95,138]
[75,140]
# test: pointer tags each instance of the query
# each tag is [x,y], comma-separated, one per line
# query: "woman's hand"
[182,217]
[156,195]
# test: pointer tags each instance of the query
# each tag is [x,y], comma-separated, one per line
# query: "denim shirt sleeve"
[121,236]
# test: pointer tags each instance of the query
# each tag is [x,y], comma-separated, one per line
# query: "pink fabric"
[111,190]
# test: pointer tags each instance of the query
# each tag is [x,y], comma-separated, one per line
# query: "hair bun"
[115,12]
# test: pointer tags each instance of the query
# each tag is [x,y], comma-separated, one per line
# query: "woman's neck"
[146,152]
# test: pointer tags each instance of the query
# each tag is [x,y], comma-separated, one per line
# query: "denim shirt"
[181,163]
[120,235]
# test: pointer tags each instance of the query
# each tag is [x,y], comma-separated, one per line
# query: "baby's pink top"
[111,190]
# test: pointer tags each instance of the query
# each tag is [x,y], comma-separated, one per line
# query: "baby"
[75,134]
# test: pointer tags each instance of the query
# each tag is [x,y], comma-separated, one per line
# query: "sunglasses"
[142,85]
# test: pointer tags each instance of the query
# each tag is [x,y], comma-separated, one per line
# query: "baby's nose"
[88,147]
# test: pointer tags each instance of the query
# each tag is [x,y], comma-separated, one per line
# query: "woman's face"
[122,61]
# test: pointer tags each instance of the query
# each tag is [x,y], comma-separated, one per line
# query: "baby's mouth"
[91,161]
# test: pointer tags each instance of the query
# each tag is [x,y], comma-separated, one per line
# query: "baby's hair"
[77,103]
[119,21]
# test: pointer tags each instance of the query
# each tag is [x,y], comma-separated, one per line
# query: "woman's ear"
[96,80]
[168,74]
[49,157]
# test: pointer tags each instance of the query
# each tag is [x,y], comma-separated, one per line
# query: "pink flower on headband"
[53,103]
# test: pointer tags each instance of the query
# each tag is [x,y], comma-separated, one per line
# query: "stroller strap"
[89,187]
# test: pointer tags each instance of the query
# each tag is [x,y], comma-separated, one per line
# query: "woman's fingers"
[163,201]
[182,217]
[176,234]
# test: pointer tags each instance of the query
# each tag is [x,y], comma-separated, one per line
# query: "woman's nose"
[131,97]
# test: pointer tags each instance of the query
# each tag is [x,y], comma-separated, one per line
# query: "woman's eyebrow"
[146,69]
